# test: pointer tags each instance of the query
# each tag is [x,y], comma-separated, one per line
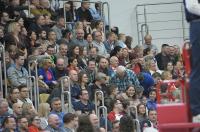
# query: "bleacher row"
[68,70]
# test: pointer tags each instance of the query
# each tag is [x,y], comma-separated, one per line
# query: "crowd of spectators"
[94,59]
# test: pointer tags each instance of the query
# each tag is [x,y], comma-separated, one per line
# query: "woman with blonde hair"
[13,37]
[43,112]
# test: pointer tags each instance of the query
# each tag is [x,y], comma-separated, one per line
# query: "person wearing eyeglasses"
[34,124]
[24,95]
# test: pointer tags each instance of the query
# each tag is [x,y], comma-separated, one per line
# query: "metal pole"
[29,8]
[104,108]
[95,99]
[137,125]
[4,68]
[1,80]
[137,21]
[68,92]
[65,14]
[183,25]
[108,6]
[36,92]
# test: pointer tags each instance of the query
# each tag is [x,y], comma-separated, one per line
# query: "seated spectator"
[22,123]
[70,122]
[59,27]
[112,94]
[13,96]
[151,122]
[75,88]
[114,63]
[109,43]
[40,8]
[146,81]
[91,70]
[131,95]
[43,112]
[126,124]
[79,40]
[38,24]
[142,114]
[83,80]
[73,64]
[54,123]
[60,70]
[62,53]
[98,42]
[99,84]
[151,66]
[162,58]
[46,74]
[17,74]
[151,102]
[92,54]
[28,110]
[84,124]
[17,110]
[148,44]
[121,40]
[56,109]
[99,26]
[9,124]
[124,77]
[24,95]
[84,106]
[56,92]
[83,12]
[95,123]
[96,12]
[116,112]
[103,66]
[34,124]
[3,110]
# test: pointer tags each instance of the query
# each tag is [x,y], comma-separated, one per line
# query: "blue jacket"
[41,72]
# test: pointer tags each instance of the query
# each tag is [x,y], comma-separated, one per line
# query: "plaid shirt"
[128,79]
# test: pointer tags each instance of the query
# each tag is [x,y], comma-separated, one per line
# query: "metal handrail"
[103,15]
[36,81]
[33,89]
[144,13]
[95,99]
[137,125]
[142,31]
[1,80]
[4,68]
[105,114]
[68,92]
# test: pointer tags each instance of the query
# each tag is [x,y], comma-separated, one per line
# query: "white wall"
[123,15]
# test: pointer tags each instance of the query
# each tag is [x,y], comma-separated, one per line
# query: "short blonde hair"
[12,26]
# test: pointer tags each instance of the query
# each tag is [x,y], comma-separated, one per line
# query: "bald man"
[148,44]
[75,88]
[124,77]
[17,109]
[95,122]
[54,123]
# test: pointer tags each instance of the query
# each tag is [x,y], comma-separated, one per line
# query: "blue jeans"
[194,91]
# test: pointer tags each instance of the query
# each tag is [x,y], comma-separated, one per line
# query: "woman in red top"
[34,125]
[117,111]
[73,64]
